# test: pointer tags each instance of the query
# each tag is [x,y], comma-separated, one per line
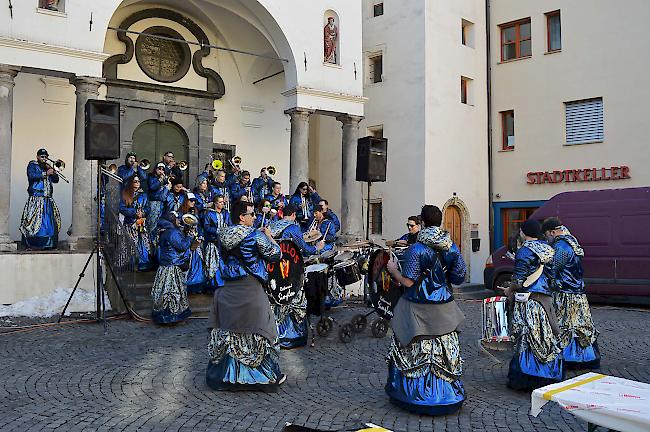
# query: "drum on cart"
[285,276]
[316,288]
[347,272]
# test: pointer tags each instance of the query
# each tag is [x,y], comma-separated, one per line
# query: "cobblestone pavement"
[141,377]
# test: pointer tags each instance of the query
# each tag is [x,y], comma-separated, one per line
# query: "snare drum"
[347,272]
[495,319]
[328,256]
[315,287]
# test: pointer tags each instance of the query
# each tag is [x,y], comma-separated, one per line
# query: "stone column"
[82,231]
[299,161]
[351,196]
[7,75]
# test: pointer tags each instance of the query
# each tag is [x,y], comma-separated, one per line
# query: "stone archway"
[455,208]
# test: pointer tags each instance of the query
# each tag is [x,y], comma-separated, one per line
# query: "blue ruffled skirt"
[196,279]
[528,373]
[214,270]
[169,295]
[291,333]
[41,213]
[577,357]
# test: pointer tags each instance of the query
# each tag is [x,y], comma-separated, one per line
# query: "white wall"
[604,54]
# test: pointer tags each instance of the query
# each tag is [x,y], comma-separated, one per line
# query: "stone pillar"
[82,231]
[351,196]
[7,75]
[299,161]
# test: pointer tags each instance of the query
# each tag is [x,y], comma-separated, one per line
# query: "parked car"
[613,227]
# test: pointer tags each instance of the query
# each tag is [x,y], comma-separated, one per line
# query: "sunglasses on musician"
[410,225]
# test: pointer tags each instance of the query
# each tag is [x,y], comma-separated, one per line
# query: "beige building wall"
[604,54]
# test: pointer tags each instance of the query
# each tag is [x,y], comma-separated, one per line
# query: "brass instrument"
[270,170]
[236,162]
[111,171]
[145,164]
[58,166]
[217,164]
[183,165]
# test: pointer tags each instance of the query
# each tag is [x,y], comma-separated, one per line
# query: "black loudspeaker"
[102,130]
[372,155]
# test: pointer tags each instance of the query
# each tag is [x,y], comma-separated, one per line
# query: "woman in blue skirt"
[134,208]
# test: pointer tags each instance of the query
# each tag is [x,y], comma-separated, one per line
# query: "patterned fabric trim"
[233,235]
[169,291]
[266,247]
[33,213]
[543,250]
[569,238]
[439,355]
[574,319]
[211,259]
[532,330]
[136,235]
[278,227]
[297,309]
[248,349]
[435,238]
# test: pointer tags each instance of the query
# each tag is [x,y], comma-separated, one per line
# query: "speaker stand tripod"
[98,250]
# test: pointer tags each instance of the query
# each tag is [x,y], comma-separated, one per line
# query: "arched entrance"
[453,224]
[152,139]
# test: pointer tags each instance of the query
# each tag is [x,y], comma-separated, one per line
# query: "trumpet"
[58,166]
[144,164]
[183,165]
[111,171]
[270,170]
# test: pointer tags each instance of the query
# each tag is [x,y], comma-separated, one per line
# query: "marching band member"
[214,222]
[265,214]
[329,214]
[177,196]
[242,188]
[424,363]
[203,194]
[243,345]
[196,278]
[41,220]
[325,226]
[131,168]
[169,293]
[262,186]
[158,183]
[291,319]
[537,359]
[171,169]
[304,198]
[277,199]
[413,226]
[578,335]
[223,184]
[134,206]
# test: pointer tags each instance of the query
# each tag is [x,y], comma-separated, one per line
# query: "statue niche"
[331,41]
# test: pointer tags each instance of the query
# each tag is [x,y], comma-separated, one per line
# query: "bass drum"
[285,276]
[316,288]
[383,290]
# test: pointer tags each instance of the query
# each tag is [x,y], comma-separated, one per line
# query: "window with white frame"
[52,5]
[467,33]
[584,121]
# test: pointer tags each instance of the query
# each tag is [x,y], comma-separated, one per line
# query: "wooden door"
[452,224]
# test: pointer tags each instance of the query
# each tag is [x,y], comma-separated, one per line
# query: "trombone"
[58,166]
[144,164]
[111,171]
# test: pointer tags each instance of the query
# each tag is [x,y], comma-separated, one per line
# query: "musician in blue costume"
[292,319]
[424,362]
[134,207]
[196,278]
[158,195]
[537,359]
[413,225]
[578,335]
[243,345]
[214,221]
[277,199]
[265,214]
[262,186]
[41,220]
[204,194]
[169,292]
[132,168]
[242,188]
[222,185]
[304,198]
[330,215]
[176,197]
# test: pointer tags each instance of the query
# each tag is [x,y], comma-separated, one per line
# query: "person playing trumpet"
[131,168]
[277,199]
[304,198]
[158,195]
[243,188]
[41,220]
[262,186]
[133,207]
[171,168]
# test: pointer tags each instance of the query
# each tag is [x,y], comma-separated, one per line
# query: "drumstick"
[263,217]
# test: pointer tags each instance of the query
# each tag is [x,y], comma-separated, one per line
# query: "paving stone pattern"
[139,377]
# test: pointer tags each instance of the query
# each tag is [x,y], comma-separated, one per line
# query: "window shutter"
[584,121]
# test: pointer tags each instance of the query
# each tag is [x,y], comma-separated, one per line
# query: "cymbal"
[357,244]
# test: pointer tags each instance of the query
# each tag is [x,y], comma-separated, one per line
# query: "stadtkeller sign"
[578,175]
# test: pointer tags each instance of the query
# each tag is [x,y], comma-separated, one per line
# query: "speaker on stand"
[102,130]
[372,157]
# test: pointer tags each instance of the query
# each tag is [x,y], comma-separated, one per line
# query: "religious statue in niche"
[49,4]
[331,35]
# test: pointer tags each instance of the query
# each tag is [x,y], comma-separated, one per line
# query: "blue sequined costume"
[537,359]
[261,188]
[213,223]
[305,206]
[196,275]
[169,293]
[243,346]
[223,189]
[158,196]
[424,363]
[126,171]
[138,233]
[276,201]
[578,335]
[41,220]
